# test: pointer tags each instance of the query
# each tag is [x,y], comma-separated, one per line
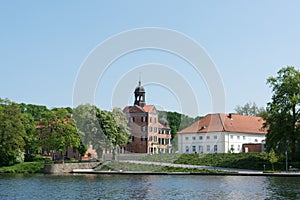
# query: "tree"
[12,133]
[35,111]
[59,130]
[114,126]
[249,109]
[272,158]
[31,138]
[87,122]
[283,113]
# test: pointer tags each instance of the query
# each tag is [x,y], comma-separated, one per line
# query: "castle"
[149,134]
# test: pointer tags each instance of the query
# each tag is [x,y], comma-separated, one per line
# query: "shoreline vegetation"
[250,161]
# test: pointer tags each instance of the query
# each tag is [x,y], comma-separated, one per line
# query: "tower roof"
[139,88]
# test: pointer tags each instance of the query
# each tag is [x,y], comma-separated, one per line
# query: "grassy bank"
[255,161]
[26,167]
[117,166]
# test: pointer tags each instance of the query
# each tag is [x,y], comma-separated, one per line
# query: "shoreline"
[90,171]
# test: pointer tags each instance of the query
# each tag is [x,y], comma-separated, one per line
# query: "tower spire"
[139,94]
[140,77]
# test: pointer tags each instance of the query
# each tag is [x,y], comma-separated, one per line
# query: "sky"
[46,44]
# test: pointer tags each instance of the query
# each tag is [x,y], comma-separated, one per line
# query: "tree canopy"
[283,113]
[12,133]
[250,109]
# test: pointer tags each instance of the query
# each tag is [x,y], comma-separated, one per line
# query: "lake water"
[39,186]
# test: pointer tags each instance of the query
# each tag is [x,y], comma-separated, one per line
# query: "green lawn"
[26,167]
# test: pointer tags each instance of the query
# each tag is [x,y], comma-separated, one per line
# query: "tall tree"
[249,109]
[31,138]
[87,122]
[12,133]
[283,113]
[59,130]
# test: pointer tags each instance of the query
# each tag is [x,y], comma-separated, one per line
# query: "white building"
[222,133]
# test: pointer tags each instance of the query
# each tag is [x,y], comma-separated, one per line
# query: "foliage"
[250,109]
[35,111]
[12,133]
[26,167]
[102,129]
[31,138]
[254,161]
[176,122]
[59,130]
[272,158]
[283,113]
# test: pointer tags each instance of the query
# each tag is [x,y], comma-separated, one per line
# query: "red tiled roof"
[147,108]
[137,108]
[223,123]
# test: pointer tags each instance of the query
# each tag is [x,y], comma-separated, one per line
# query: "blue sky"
[44,44]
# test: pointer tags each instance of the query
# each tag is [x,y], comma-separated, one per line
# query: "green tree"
[272,158]
[31,138]
[59,130]
[250,109]
[87,122]
[35,111]
[12,133]
[114,126]
[283,113]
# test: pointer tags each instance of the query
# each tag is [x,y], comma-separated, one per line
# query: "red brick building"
[148,134]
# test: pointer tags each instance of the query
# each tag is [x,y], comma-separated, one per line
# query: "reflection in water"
[146,187]
[287,187]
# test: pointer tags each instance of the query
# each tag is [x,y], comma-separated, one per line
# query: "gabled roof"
[137,108]
[227,123]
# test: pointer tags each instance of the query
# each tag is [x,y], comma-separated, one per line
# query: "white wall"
[190,143]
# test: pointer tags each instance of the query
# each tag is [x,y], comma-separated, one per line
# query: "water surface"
[39,186]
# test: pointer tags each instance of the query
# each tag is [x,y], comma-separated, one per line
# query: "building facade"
[221,133]
[148,134]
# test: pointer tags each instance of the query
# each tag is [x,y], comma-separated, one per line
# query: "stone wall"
[68,167]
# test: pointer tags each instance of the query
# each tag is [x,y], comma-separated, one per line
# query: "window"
[155,129]
[238,137]
[215,137]
[186,149]
[200,137]
[144,128]
[143,119]
[207,137]
[132,138]
[150,138]
[244,137]
[200,149]
[239,147]
[131,119]
[150,128]
[231,136]
[150,119]
[215,148]
[186,138]
[143,138]
[194,148]
[255,140]
[194,138]
[208,148]
[154,119]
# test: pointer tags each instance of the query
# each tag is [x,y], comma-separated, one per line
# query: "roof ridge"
[223,124]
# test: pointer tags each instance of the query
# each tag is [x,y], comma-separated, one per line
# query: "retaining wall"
[68,167]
